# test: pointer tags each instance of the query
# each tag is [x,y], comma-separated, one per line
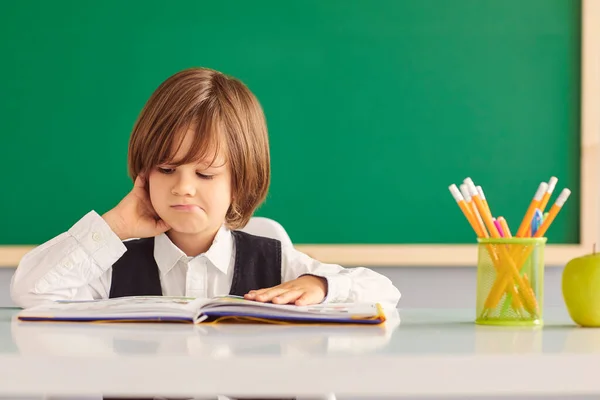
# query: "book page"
[236,305]
[133,305]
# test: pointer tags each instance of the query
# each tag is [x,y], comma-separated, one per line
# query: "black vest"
[257,266]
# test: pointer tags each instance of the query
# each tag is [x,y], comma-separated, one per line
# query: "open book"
[197,310]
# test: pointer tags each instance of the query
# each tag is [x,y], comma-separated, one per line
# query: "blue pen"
[536,222]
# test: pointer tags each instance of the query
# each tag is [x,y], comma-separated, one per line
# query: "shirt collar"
[219,253]
[167,254]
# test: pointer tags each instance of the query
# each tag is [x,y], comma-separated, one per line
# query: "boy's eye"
[168,171]
[204,176]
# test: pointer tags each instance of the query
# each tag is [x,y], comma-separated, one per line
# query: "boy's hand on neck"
[134,216]
[306,290]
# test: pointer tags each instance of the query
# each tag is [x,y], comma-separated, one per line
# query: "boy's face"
[191,198]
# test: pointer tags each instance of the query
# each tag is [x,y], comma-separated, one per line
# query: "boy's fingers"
[270,293]
[253,293]
[288,297]
[308,298]
[250,296]
[259,291]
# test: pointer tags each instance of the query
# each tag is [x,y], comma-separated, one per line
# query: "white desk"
[431,352]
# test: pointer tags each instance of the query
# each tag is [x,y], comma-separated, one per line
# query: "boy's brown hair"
[225,116]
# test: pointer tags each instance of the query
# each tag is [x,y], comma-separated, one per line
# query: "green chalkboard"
[374,107]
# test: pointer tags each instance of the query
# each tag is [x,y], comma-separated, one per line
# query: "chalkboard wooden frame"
[465,255]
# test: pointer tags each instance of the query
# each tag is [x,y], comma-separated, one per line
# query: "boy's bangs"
[207,144]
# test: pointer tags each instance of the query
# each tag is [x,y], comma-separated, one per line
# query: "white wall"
[422,287]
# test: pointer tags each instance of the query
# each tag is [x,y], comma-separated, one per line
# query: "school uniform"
[80,264]
[89,261]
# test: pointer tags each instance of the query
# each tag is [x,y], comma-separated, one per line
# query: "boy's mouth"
[186,207]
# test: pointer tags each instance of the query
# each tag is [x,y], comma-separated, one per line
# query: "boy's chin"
[188,229]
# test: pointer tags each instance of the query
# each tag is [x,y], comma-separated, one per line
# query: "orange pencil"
[483,199]
[526,223]
[464,208]
[482,232]
[504,225]
[551,185]
[508,234]
[485,215]
[554,210]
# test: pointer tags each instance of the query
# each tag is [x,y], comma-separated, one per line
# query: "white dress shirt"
[77,264]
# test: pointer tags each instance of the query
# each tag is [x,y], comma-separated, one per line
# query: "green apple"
[581,289]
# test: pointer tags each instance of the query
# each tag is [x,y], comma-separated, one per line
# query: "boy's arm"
[343,284]
[74,265]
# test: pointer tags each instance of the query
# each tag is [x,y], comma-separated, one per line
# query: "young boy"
[199,158]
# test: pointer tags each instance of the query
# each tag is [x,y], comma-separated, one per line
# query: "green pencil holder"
[510,281]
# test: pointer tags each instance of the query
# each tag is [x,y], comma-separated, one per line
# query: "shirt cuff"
[338,289]
[98,240]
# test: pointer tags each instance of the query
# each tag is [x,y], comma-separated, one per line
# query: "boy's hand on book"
[308,289]
[134,216]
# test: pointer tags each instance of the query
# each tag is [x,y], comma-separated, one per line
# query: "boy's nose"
[184,187]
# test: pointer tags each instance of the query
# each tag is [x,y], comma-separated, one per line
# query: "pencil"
[505,227]
[526,223]
[516,303]
[481,231]
[464,207]
[554,210]
[485,215]
[498,226]
[551,185]
[483,199]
